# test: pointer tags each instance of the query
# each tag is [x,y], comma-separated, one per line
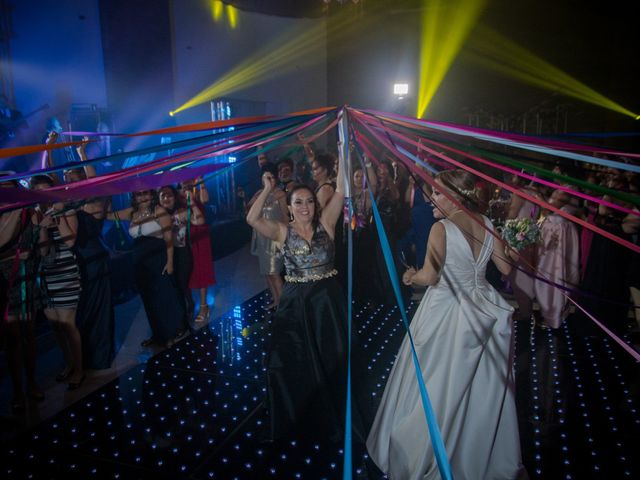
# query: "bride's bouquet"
[519,233]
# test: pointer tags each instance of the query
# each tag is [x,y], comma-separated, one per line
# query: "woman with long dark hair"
[58,229]
[173,203]
[150,229]
[95,315]
[306,358]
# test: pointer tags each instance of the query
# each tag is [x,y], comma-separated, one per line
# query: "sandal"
[201,317]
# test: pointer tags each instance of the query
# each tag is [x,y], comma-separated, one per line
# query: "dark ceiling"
[312,8]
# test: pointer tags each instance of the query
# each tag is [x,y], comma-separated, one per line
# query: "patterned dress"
[60,273]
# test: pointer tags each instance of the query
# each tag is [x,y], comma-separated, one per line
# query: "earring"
[290,217]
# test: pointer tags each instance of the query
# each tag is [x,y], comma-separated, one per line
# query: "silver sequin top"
[308,262]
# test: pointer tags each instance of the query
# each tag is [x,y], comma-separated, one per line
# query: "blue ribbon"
[343,133]
[432,424]
[517,144]
[348,463]
[416,159]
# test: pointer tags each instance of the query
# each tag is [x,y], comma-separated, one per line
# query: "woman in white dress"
[462,334]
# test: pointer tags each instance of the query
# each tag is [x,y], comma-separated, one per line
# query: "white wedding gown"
[462,334]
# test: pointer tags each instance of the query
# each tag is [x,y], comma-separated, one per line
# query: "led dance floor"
[197,410]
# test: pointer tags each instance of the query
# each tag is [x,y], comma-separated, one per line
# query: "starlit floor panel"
[197,410]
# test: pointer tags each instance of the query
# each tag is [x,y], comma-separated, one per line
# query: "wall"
[206,49]
[57,57]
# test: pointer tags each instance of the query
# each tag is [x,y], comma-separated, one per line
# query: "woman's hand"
[46,221]
[51,138]
[407,278]
[268,181]
[511,253]
[168,269]
[81,148]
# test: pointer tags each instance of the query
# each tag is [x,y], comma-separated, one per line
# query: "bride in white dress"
[462,334]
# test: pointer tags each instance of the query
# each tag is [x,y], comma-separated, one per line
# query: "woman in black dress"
[150,228]
[95,314]
[307,354]
[387,199]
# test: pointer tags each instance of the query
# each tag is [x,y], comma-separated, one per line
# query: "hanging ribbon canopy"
[374,131]
[421,146]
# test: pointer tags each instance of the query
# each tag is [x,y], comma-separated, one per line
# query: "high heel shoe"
[76,385]
[203,314]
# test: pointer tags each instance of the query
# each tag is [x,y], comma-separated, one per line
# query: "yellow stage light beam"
[232,15]
[493,50]
[445,27]
[217,8]
[300,46]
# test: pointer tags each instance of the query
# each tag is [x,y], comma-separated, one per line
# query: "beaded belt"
[310,278]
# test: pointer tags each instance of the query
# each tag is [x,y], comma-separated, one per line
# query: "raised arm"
[203,192]
[331,212]
[311,155]
[271,229]
[372,178]
[325,194]
[89,170]
[51,139]
[433,262]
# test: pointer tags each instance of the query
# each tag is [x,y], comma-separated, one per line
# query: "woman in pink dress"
[558,260]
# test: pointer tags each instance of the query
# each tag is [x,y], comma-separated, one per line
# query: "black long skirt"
[307,359]
[160,295]
[95,314]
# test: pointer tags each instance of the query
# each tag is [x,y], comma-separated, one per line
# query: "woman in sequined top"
[307,351]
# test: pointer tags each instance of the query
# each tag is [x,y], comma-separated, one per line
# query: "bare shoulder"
[438,232]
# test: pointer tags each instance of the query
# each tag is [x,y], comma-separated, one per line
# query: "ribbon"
[343,135]
[429,180]
[194,127]
[130,180]
[523,175]
[15,267]
[514,190]
[432,424]
[518,141]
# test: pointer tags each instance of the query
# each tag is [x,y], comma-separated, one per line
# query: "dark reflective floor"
[197,411]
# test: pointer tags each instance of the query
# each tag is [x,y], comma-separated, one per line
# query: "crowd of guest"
[569,262]
[53,261]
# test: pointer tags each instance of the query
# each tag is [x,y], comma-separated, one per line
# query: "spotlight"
[400,89]
[172,113]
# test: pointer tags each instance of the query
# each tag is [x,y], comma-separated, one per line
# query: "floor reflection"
[197,409]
